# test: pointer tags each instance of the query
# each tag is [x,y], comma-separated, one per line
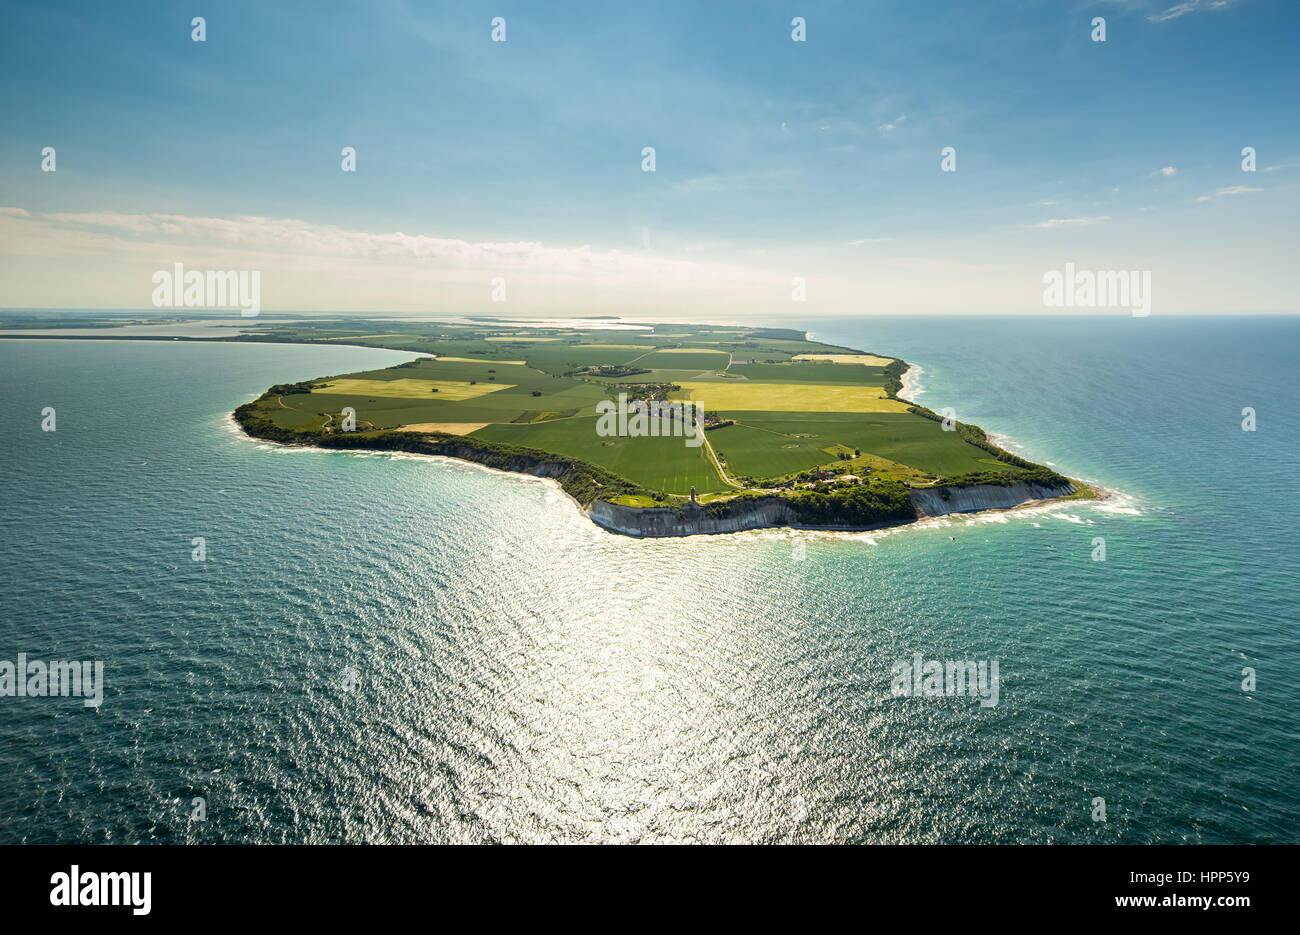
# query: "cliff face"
[758,513]
[585,483]
[692,520]
[939,501]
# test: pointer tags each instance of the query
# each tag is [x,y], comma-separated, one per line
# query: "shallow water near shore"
[384,648]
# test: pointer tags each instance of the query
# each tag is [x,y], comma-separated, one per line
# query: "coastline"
[911,383]
[690,519]
[835,531]
[595,490]
[742,514]
[233,425]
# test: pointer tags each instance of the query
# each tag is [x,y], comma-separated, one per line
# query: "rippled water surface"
[521,675]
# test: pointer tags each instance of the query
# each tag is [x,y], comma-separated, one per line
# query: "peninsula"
[657,430]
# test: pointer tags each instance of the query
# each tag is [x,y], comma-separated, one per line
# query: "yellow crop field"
[750,396]
[482,360]
[451,428]
[871,360]
[411,389]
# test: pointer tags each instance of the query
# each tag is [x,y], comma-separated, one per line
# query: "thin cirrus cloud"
[1179,10]
[887,128]
[164,234]
[1230,190]
[1056,223]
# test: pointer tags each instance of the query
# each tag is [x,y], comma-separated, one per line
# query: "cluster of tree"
[288,389]
[884,502]
[647,391]
[1036,475]
[607,370]
[894,371]
[861,505]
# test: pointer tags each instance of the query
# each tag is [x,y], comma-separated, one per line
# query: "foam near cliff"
[691,519]
[939,501]
[763,512]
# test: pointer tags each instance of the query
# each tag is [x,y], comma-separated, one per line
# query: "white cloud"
[888,128]
[1230,190]
[1181,9]
[732,181]
[165,238]
[1054,223]
[1168,171]
[1188,6]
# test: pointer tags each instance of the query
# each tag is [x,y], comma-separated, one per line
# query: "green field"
[683,360]
[507,384]
[485,391]
[755,451]
[810,373]
[655,376]
[898,436]
[559,359]
[664,464]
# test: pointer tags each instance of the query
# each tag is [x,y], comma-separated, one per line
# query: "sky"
[521,162]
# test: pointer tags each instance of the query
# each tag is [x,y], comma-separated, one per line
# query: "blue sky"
[774,158]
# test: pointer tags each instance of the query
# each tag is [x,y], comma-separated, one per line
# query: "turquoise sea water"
[402,649]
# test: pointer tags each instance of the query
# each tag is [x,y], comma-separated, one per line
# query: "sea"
[311,647]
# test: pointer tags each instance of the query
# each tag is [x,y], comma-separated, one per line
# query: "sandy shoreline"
[911,383]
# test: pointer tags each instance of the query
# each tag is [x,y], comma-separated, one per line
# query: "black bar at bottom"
[334,884]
